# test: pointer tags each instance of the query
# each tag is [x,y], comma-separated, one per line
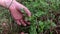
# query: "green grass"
[43,14]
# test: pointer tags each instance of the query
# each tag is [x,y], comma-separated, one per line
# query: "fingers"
[27,11]
[18,22]
[28,23]
[20,6]
[22,22]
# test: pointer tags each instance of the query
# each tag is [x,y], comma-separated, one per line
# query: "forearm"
[5,3]
[2,3]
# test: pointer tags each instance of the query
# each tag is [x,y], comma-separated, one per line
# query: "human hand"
[16,13]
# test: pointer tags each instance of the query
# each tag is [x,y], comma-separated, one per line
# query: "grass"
[44,19]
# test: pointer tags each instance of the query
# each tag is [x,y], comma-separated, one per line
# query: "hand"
[17,14]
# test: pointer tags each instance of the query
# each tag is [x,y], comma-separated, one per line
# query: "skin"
[17,14]
[15,11]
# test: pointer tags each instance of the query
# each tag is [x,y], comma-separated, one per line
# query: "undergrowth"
[44,19]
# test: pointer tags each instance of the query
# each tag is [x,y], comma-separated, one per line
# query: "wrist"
[6,3]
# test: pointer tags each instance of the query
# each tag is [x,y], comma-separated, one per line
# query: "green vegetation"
[45,17]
